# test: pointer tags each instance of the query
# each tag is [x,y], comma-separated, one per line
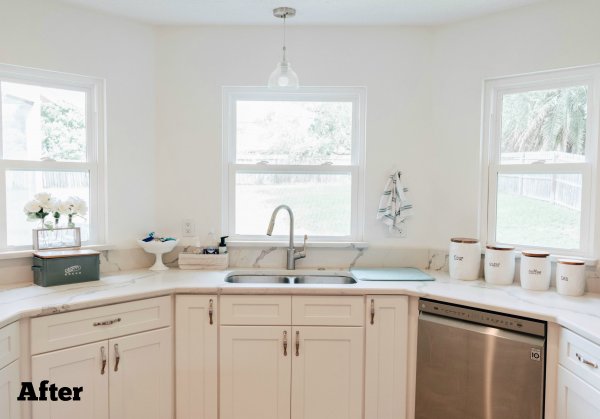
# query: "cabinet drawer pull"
[117,357]
[103,358]
[297,343]
[372,311]
[210,311]
[284,343]
[107,322]
[585,361]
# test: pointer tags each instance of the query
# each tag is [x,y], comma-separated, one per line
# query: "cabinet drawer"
[327,311]
[580,356]
[256,310]
[9,344]
[83,326]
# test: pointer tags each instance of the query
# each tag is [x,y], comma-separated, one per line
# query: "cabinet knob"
[372,311]
[117,357]
[103,358]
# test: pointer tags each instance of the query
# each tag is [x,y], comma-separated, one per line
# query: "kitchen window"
[303,148]
[51,135]
[540,154]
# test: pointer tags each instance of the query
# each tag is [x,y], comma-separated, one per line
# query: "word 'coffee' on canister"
[464,258]
[499,264]
[570,277]
[535,270]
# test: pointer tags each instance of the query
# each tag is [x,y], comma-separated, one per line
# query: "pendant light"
[283,77]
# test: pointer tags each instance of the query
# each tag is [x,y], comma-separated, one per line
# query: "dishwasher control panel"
[488,318]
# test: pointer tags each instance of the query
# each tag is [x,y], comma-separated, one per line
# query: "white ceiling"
[309,12]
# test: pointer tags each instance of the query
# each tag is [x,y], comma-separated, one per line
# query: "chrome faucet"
[292,254]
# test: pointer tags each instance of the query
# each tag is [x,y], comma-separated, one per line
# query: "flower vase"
[70,223]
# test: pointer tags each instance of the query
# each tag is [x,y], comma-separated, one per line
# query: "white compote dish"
[158,248]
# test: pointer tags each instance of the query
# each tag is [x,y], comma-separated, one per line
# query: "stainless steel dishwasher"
[474,364]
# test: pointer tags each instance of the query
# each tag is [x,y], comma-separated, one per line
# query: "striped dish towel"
[394,208]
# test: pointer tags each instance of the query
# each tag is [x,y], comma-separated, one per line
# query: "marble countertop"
[580,314]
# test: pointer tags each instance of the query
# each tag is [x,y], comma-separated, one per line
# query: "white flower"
[43,197]
[32,206]
[52,205]
[81,207]
[74,206]
[64,206]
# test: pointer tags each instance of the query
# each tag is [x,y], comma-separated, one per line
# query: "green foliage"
[545,120]
[63,132]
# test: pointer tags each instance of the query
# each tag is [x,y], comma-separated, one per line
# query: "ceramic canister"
[464,258]
[499,264]
[570,277]
[535,270]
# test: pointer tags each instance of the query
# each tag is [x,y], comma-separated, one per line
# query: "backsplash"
[18,271]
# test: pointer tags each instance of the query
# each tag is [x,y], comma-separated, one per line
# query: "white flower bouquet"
[44,204]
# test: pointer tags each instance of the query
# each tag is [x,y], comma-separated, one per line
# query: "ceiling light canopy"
[283,77]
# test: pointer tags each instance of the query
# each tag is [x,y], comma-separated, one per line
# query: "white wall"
[193,63]
[50,35]
[548,35]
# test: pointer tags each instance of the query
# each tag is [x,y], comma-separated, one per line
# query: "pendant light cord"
[284,17]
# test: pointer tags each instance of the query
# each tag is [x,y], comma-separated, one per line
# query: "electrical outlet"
[188,228]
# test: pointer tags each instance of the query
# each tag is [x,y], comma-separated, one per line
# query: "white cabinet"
[83,366]
[578,392]
[255,372]
[196,381]
[283,371]
[327,372]
[10,382]
[122,377]
[576,399]
[10,377]
[386,357]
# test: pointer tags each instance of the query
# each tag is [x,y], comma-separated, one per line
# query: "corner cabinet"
[578,393]
[296,357]
[386,356]
[124,369]
[10,380]
[196,381]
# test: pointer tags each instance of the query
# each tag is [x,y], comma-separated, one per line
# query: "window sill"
[21,254]
[286,243]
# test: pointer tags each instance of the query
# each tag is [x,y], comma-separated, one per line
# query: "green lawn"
[537,223]
[322,209]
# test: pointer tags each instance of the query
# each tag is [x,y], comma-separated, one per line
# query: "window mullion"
[3,220]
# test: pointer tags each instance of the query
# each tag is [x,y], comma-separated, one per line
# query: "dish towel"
[394,208]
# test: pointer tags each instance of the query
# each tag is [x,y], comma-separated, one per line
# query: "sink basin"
[258,279]
[290,279]
[323,279]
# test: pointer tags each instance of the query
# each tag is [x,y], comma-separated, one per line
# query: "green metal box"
[60,267]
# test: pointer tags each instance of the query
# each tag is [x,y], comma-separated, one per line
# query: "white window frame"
[356,95]
[95,147]
[493,91]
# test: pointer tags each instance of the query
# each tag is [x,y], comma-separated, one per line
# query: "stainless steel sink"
[323,279]
[258,279]
[290,279]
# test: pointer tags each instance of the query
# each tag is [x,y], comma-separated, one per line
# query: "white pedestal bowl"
[158,248]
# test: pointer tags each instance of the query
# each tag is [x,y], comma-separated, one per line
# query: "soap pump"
[223,246]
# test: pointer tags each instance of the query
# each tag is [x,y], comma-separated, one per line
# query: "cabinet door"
[82,366]
[255,372]
[196,357]
[327,372]
[141,376]
[10,382]
[576,399]
[386,357]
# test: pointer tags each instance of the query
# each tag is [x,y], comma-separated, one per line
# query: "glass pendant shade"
[283,77]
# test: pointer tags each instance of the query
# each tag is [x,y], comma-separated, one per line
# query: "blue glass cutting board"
[390,274]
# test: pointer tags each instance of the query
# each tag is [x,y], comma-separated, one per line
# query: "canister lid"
[52,254]
[571,262]
[464,240]
[499,247]
[535,253]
